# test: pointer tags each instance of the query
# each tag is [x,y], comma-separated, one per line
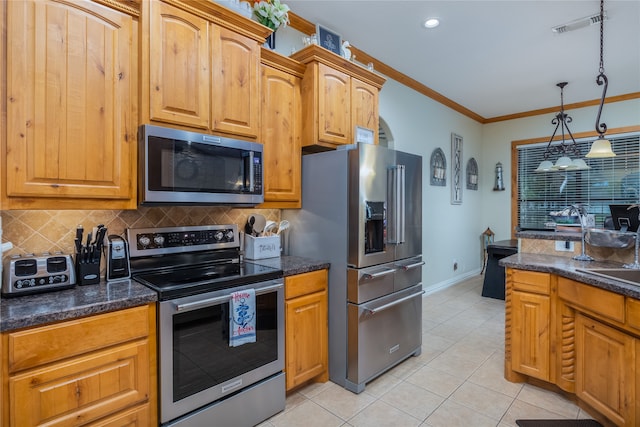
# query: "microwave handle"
[221,299]
[251,173]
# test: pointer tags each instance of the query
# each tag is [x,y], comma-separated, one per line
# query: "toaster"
[30,274]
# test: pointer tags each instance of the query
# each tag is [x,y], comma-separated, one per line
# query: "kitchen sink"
[626,275]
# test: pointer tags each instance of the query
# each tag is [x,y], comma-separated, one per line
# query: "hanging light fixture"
[564,149]
[601,147]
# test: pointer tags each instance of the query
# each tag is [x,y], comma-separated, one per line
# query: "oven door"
[197,365]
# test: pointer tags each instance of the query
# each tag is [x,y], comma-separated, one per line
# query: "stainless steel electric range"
[203,380]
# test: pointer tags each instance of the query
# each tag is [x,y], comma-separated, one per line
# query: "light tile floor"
[458,380]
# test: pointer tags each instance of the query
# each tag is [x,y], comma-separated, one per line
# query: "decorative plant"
[271,13]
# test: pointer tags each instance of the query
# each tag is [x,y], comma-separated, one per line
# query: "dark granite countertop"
[550,235]
[292,265]
[569,268]
[35,310]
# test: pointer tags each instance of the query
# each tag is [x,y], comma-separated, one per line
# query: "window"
[614,180]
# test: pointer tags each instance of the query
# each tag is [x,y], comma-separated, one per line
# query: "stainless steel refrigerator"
[362,211]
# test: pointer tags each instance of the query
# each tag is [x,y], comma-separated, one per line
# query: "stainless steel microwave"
[187,168]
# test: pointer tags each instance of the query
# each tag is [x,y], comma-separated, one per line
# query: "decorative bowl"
[609,238]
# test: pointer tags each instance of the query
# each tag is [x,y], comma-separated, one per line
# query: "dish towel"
[243,317]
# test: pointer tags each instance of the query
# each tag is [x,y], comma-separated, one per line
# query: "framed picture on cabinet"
[456,169]
[329,39]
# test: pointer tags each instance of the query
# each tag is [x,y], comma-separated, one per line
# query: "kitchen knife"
[100,240]
[78,239]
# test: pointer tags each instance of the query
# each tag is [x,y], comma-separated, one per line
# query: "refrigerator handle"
[397,194]
[401,205]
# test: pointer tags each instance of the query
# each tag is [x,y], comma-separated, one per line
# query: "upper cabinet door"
[364,106]
[235,76]
[334,106]
[71,101]
[179,87]
[281,111]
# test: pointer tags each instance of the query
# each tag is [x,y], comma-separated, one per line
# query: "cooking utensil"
[270,228]
[260,223]
[284,224]
[248,228]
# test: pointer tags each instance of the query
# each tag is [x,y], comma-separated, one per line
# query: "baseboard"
[450,282]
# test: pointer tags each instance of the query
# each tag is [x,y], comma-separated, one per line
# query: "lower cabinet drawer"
[530,281]
[607,304]
[81,390]
[305,283]
[136,417]
[51,343]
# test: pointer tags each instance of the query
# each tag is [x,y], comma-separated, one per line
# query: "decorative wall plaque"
[456,169]
[472,174]
[438,168]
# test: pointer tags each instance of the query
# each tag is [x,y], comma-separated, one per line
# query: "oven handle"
[391,304]
[217,300]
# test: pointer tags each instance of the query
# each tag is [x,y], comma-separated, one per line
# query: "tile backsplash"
[37,231]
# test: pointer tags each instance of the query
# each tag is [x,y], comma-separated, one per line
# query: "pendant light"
[564,149]
[601,147]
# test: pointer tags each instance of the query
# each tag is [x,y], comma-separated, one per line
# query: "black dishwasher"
[494,277]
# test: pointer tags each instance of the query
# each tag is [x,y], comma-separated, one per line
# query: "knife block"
[87,273]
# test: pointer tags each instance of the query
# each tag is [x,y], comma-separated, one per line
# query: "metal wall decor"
[456,169]
[472,174]
[438,168]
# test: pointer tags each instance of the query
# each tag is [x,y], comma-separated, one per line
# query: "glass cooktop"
[190,280]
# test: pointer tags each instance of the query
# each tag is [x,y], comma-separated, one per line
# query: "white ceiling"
[493,57]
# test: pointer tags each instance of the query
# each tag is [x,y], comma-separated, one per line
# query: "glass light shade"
[562,163]
[601,148]
[545,166]
[579,164]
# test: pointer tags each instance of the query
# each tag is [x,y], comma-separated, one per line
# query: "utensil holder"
[87,273]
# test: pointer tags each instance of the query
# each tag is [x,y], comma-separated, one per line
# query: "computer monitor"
[625,219]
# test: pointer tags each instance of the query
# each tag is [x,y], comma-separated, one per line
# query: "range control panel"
[29,274]
[168,240]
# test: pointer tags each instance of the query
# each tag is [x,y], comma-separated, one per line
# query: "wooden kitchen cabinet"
[201,67]
[338,95]
[364,106]
[281,107]
[306,328]
[529,317]
[178,47]
[71,104]
[98,371]
[605,380]
[587,345]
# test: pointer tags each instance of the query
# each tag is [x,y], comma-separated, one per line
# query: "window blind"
[614,180]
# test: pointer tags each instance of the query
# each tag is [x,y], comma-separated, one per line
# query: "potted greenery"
[272,14]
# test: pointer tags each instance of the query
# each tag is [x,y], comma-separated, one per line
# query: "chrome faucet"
[581,211]
[635,265]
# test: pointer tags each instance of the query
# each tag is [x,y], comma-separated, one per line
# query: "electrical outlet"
[564,246]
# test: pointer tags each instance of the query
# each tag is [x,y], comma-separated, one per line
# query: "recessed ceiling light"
[431,23]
